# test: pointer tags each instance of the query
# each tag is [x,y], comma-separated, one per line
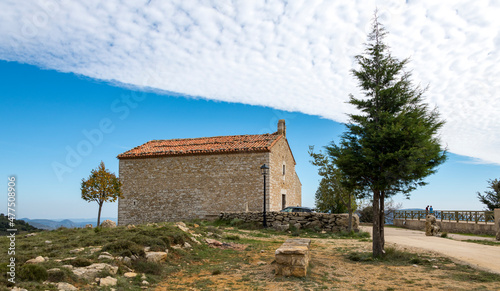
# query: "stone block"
[292,258]
[431,227]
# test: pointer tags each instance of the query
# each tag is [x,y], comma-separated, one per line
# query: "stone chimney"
[282,127]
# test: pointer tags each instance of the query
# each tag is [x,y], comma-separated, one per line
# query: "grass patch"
[144,266]
[232,237]
[203,284]
[473,234]
[56,276]
[392,256]
[465,273]
[80,262]
[33,273]
[119,241]
[124,248]
[484,242]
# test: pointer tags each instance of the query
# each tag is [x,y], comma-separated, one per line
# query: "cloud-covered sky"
[289,55]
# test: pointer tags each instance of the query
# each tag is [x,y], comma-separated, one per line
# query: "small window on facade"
[283,170]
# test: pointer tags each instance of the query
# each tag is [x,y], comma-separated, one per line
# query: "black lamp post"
[264,169]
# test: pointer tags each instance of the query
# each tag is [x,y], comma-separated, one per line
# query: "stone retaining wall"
[446,226]
[497,222]
[321,221]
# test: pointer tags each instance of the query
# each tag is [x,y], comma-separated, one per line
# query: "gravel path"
[476,255]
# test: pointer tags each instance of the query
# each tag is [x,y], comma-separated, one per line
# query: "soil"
[479,256]
[331,269]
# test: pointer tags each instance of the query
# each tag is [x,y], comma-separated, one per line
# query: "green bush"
[149,241]
[236,222]
[293,230]
[366,214]
[143,266]
[232,237]
[213,229]
[178,238]
[56,276]
[444,234]
[31,272]
[360,256]
[124,248]
[80,262]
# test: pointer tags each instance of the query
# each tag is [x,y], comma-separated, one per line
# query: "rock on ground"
[105,257]
[108,281]
[431,227]
[130,275]
[36,260]
[156,256]
[91,272]
[76,250]
[182,226]
[65,286]
[108,223]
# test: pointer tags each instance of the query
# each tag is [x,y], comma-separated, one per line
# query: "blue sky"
[83,81]
[45,114]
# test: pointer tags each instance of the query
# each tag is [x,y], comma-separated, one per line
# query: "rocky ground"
[208,256]
[331,268]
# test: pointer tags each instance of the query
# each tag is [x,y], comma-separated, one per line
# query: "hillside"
[20,225]
[222,255]
[49,224]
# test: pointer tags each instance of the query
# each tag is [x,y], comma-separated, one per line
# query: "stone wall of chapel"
[187,187]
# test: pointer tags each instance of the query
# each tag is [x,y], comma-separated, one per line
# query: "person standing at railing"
[427,210]
[431,210]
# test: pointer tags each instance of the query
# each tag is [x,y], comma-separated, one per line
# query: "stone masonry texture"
[185,187]
[321,221]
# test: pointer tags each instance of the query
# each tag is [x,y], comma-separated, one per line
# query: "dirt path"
[476,255]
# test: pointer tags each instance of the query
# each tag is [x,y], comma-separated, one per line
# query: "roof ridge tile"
[204,145]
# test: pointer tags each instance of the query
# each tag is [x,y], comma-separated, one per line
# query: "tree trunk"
[382,219]
[99,215]
[349,209]
[377,247]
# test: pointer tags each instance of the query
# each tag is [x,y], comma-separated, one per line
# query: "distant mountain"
[19,224]
[48,224]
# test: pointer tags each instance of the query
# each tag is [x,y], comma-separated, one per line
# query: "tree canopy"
[333,194]
[101,186]
[491,198]
[328,200]
[392,144]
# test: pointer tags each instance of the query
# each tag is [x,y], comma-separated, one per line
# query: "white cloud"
[293,55]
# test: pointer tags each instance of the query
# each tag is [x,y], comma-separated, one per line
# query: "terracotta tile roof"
[204,145]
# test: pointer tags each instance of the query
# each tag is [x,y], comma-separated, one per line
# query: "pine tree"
[392,145]
[491,198]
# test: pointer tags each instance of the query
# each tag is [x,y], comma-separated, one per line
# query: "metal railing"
[447,215]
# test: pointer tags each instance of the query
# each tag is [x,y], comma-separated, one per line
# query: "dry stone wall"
[497,222]
[321,221]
